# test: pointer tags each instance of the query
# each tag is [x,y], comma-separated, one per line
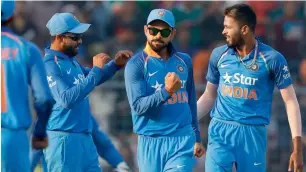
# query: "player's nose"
[223,32]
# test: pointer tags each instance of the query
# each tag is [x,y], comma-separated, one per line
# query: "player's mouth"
[158,43]
[227,38]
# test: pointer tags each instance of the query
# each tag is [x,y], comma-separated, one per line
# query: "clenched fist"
[100,60]
[122,57]
[172,82]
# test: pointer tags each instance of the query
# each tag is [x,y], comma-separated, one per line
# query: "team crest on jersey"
[180,68]
[254,67]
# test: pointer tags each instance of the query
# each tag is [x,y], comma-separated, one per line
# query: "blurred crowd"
[119,25]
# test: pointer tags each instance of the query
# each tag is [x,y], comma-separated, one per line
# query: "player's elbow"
[66,102]
[138,108]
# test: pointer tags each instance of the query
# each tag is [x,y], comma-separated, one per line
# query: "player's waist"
[66,133]
[4,128]
[185,130]
[238,123]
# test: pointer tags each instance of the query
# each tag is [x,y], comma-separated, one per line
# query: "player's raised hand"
[296,162]
[198,150]
[172,82]
[39,143]
[122,57]
[100,60]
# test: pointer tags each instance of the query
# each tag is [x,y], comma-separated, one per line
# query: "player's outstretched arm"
[43,101]
[136,87]
[68,95]
[294,118]
[207,100]
[113,66]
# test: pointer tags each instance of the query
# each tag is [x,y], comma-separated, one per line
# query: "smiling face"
[232,32]
[239,24]
[159,34]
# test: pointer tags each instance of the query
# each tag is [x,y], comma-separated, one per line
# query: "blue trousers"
[166,153]
[71,152]
[233,143]
[14,151]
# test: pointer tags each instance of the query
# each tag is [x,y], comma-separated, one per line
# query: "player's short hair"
[243,13]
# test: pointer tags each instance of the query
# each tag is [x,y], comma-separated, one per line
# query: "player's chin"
[158,48]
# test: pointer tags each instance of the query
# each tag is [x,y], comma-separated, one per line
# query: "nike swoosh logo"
[151,74]
[257,163]
[224,65]
[180,166]
[68,71]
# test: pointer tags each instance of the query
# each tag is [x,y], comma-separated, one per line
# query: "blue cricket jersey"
[70,85]
[245,95]
[21,66]
[154,112]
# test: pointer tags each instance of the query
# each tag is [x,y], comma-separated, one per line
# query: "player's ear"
[173,33]
[145,29]
[245,30]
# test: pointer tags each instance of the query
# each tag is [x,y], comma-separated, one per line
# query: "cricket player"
[161,93]
[241,78]
[21,66]
[105,149]
[71,147]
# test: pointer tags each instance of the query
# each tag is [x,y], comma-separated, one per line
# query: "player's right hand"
[100,60]
[39,143]
[172,82]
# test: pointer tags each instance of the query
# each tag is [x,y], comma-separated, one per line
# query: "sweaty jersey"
[245,91]
[21,66]
[70,85]
[154,112]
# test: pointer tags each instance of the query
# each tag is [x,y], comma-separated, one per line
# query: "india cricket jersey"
[245,89]
[70,84]
[154,112]
[22,66]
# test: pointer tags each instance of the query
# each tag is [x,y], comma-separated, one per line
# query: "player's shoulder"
[220,50]
[184,56]
[269,53]
[137,60]
[33,48]
[51,63]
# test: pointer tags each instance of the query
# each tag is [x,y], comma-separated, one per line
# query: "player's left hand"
[122,57]
[38,143]
[296,162]
[198,150]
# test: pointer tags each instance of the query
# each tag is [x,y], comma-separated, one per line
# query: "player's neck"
[164,53]
[246,47]
[55,47]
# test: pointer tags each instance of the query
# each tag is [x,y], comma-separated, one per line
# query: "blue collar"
[232,51]
[6,29]
[49,51]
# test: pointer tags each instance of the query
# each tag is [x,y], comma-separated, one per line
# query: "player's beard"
[236,41]
[158,48]
[70,50]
